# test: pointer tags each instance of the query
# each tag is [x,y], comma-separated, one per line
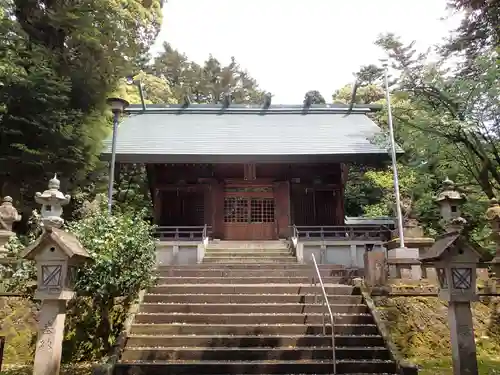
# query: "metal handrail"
[327,303]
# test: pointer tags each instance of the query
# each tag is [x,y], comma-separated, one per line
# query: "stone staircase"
[251,309]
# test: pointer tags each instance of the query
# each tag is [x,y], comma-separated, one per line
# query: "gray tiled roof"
[205,134]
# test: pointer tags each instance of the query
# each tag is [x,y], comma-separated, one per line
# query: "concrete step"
[230,341]
[257,367]
[257,250]
[252,354]
[311,318]
[300,289]
[245,260]
[300,272]
[268,245]
[270,279]
[252,329]
[239,266]
[239,308]
[248,298]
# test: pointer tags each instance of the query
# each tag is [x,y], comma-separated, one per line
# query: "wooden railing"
[186,233]
[344,232]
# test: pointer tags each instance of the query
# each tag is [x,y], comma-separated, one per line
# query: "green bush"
[123,251]
[20,277]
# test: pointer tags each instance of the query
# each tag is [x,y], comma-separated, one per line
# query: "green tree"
[58,62]
[207,83]
[316,97]
[461,111]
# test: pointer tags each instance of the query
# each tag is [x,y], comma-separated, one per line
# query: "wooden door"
[249,213]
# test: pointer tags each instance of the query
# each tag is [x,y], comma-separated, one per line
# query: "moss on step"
[419,327]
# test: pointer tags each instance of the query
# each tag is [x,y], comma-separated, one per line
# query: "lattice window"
[236,210]
[262,210]
[462,278]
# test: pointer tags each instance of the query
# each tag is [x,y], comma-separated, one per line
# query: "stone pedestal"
[463,346]
[50,337]
[415,244]
[404,271]
[375,268]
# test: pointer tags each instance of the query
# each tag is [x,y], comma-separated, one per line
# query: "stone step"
[247,280]
[300,272]
[230,341]
[247,244]
[237,308]
[257,367]
[249,255]
[278,249]
[311,318]
[300,289]
[245,260]
[239,266]
[249,298]
[252,329]
[252,354]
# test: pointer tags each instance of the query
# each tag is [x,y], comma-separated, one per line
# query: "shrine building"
[249,172]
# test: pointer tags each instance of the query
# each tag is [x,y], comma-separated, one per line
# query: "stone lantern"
[450,201]
[57,254]
[493,215]
[455,260]
[8,216]
[52,201]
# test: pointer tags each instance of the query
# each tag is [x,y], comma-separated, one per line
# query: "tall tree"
[58,62]
[207,83]
[465,109]
[479,30]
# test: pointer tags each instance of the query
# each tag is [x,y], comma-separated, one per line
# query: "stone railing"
[342,232]
[180,233]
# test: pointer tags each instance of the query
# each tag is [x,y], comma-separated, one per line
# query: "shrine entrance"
[249,213]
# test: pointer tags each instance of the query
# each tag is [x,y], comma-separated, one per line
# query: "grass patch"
[487,366]
[81,369]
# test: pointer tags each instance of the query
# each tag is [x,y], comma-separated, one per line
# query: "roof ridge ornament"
[267,100]
[227,99]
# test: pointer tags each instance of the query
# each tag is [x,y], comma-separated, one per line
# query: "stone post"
[57,254]
[8,215]
[458,261]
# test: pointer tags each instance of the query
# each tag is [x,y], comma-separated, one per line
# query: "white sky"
[292,46]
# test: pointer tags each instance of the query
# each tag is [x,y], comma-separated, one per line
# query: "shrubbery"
[123,251]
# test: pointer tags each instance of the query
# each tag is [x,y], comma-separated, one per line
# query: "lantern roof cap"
[493,212]
[449,239]
[66,241]
[52,192]
[450,192]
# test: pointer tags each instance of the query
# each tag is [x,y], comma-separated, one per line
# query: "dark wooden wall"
[193,194]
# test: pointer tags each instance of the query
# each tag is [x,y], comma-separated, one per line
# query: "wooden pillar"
[282,208]
[340,195]
[157,205]
[217,208]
